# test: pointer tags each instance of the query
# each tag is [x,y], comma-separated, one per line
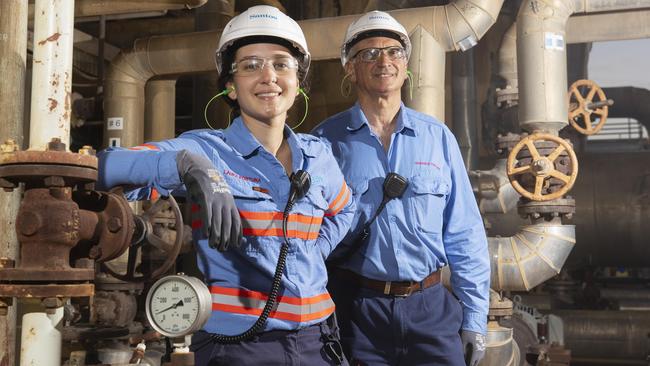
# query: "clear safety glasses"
[254,65]
[372,54]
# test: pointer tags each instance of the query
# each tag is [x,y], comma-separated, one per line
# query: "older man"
[416,215]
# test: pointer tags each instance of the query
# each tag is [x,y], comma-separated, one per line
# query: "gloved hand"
[217,210]
[473,346]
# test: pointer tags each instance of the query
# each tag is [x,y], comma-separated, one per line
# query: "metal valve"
[587,113]
[542,167]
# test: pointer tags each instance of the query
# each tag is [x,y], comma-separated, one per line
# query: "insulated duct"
[454,26]
[508,58]
[87,8]
[541,52]
[530,257]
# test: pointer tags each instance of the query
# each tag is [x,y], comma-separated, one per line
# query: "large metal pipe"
[597,6]
[461,24]
[160,110]
[41,338]
[606,334]
[541,49]
[541,64]
[427,65]
[508,58]
[612,213]
[608,26]
[13,66]
[87,8]
[51,73]
[463,86]
[531,256]
[630,102]
[214,15]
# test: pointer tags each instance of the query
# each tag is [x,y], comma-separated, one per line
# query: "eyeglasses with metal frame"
[372,54]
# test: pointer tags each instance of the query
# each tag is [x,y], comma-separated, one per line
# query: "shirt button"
[391,219]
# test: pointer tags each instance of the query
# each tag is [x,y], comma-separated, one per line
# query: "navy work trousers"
[303,347]
[378,329]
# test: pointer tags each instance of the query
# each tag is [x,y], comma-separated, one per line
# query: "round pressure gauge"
[178,305]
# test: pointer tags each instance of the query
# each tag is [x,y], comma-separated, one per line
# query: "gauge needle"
[179,303]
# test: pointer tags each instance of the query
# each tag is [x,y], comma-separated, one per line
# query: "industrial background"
[560,165]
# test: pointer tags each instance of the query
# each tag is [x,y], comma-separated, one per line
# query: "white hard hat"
[262,20]
[370,22]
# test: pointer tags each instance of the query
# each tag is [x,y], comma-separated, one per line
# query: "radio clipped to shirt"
[394,187]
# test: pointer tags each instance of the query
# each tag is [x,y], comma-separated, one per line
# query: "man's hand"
[473,346]
[206,188]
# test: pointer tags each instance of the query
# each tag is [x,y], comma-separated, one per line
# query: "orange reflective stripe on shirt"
[144,147]
[296,309]
[270,224]
[340,201]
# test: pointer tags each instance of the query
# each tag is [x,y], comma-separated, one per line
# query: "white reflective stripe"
[277,224]
[251,303]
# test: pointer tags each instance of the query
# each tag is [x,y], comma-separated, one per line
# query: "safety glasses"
[254,65]
[372,54]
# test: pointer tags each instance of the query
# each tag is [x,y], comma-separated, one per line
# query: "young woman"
[252,175]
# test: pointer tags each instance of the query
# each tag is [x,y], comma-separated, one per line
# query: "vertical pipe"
[160,110]
[464,116]
[13,64]
[427,64]
[40,339]
[52,72]
[541,64]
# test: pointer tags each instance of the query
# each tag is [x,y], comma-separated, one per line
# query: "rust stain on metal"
[51,38]
[53,103]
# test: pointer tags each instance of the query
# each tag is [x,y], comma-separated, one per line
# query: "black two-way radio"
[394,187]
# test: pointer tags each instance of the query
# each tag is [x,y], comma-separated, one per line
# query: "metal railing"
[621,129]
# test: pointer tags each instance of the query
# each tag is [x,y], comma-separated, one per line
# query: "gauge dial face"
[174,307]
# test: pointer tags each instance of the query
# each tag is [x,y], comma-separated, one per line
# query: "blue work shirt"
[240,278]
[435,223]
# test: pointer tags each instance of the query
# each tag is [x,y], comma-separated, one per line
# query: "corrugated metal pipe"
[454,26]
[531,256]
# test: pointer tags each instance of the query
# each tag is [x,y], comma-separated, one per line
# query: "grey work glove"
[473,346]
[217,210]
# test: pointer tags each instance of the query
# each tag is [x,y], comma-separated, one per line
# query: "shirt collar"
[359,119]
[242,140]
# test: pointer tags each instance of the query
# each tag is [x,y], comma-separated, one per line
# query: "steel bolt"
[55,145]
[30,224]
[7,262]
[87,150]
[9,146]
[51,304]
[54,181]
[114,224]
[95,252]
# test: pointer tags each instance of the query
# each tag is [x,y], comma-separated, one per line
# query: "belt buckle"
[406,294]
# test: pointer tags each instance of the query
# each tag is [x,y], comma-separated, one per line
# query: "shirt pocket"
[427,202]
[256,210]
